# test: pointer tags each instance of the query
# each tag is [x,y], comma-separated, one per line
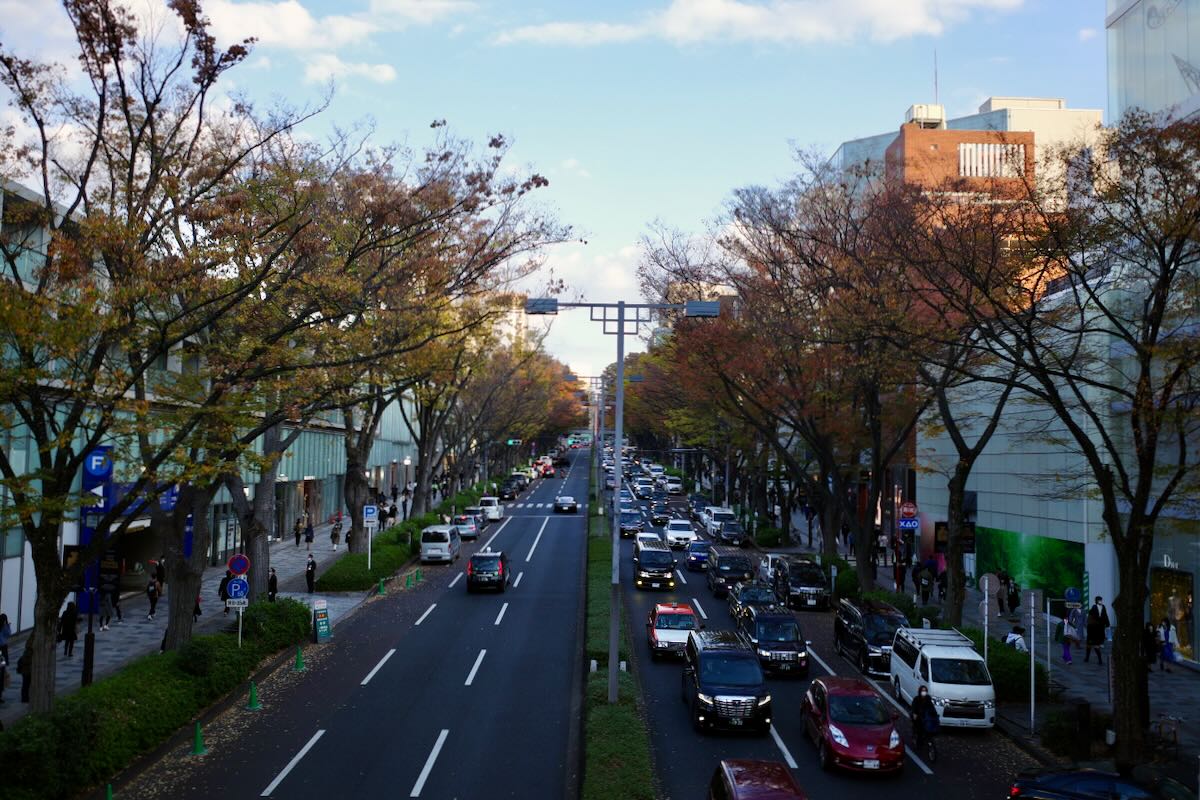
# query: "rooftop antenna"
[935,77]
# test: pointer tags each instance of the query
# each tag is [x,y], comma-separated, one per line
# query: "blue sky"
[643,111]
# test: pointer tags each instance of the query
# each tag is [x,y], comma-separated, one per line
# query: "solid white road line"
[488,544]
[456,578]
[475,668]
[517,582]
[787,755]
[378,666]
[437,748]
[500,616]
[812,654]
[681,578]
[428,611]
[699,608]
[291,764]
[537,539]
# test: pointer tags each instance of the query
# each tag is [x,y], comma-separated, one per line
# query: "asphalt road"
[430,693]
[972,765]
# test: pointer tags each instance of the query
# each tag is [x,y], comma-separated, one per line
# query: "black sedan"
[1091,784]
[631,523]
[660,514]
[565,505]
[509,491]
[748,594]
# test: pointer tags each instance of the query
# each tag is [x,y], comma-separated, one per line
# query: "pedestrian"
[335,533]
[106,608]
[152,596]
[881,545]
[846,535]
[68,629]
[4,679]
[392,514]
[926,584]
[298,529]
[395,493]
[160,574]
[1170,640]
[309,536]
[1097,627]
[25,669]
[272,586]
[1001,590]
[310,574]
[5,635]
[115,597]
[941,584]
[924,716]
[1016,639]
[196,609]
[1068,635]
[1151,646]
[223,589]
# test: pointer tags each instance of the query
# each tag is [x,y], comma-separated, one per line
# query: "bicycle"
[923,732]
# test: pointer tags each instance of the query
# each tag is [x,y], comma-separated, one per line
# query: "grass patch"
[616,740]
[125,715]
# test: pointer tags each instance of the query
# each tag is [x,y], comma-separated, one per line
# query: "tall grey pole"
[614,618]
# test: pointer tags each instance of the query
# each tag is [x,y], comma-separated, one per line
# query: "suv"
[631,523]
[777,639]
[679,533]
[801,583]
[653,565]
[488,569]
[492,510]
[727,566]
[713,516]
[731,532]
[723,684]
[863,631]
[440,543]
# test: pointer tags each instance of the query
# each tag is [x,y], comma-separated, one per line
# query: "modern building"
[1153,56]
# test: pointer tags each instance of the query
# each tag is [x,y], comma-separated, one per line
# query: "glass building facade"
[1153,56]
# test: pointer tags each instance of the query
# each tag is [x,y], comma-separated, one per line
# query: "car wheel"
[823,755]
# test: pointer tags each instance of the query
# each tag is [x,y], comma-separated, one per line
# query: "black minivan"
[727,566]
[863,631]
[488,569]
[723,684]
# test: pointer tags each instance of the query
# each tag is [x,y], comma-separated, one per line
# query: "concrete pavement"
[137,636]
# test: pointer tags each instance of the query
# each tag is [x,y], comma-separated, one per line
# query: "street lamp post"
[614,319]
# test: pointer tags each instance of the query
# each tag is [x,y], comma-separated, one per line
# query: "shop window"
[1171,596]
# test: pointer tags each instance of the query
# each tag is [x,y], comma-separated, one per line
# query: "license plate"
[871,763]
[810,601]
[735,722]
[654,586]
[785,666]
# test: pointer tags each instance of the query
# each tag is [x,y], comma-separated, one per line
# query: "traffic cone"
[381,589]
[198,748]
[408,581]
[418,574]
[253,704]
[299,667]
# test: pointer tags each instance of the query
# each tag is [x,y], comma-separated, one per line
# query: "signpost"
[237,591]
[322,632]
[908,510]
[370,522]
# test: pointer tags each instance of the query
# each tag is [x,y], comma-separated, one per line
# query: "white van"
[492,508]
[440,543]
[947,663]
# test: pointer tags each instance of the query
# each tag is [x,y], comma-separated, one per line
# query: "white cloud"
[285,24]
[326,66]
[573,166]
[690,21]
[1087,33]
[423,12]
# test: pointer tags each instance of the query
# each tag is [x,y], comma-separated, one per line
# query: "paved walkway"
[136,635]
[1176,693]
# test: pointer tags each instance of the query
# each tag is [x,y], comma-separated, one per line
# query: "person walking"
[106,608]
[160,574]
[68,626]
[1068,637]
[335,532]
[1170,640]
[309,536]
[196,609]
[1151,647]
[1001,590]
[310,574]
[5,635]
[115,598]
[223,589]
[898,574]
[152,596]
[272,586]
[1097,628]
[298,529]
[25,669]
[926,583]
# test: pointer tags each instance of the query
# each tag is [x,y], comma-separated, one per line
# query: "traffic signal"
[512,442]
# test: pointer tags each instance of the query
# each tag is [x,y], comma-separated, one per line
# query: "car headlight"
[894,740]
[801,654]
[989,703]
[875,651]
[838,736]
[764,653]
[938,701]
[762,701]
[705,698]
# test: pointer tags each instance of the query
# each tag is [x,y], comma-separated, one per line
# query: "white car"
[767,566]
[714,516]
[440,543]
[679,533]
[674,486]
[647,536]
[492,508]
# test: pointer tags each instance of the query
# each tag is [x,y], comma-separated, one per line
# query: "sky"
[637,112]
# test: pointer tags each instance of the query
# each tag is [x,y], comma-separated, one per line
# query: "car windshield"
[565,499]
[735,565]
[723,516]
[757,594]
[435,537]
[698,547]
[732,527]
[486,562]
[679,527]
[880,630]
[961,671]
[731,671]
[656,558]
[806,574]
[782,631]
[629,517]
[675,622]
[858,710]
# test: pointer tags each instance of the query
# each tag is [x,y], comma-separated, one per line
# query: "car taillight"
[500,568]
[470,569]
[1014,791]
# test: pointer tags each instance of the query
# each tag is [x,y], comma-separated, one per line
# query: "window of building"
[988,160]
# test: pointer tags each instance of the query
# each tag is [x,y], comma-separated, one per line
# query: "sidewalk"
[136,636]
[1175,693]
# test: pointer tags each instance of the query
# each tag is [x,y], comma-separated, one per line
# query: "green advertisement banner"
[1035,562]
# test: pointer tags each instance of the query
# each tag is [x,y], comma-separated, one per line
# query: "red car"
[852,729]
[547,471]
[743,779]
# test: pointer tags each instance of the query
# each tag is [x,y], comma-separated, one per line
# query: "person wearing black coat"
[223,589]
[272,586]
[310,574]
[1097,627]
[67,629]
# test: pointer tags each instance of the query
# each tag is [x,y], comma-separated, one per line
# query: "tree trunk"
[1131,700]
[357,494]
[44,644]
[186,561]
[956,579]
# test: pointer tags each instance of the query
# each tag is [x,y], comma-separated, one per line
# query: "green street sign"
[513,442]
[322,631]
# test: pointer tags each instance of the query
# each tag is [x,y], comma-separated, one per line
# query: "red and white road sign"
[908,510]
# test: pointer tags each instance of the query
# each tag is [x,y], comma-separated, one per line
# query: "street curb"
[575,731]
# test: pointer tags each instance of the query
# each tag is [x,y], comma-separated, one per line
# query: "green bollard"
[408,581]
[418,574]
[198,748]
[381,589]
[299,667]
[108,792]
[253,704]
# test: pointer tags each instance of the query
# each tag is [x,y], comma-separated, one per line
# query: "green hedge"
[349,573]
[1010,669]
[617,754]
[599,589]
[768,537]
[101,729]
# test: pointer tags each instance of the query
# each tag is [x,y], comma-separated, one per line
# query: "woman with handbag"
[1170,640]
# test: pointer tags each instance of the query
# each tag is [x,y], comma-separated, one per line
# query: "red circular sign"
[908,510]
[239,564]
